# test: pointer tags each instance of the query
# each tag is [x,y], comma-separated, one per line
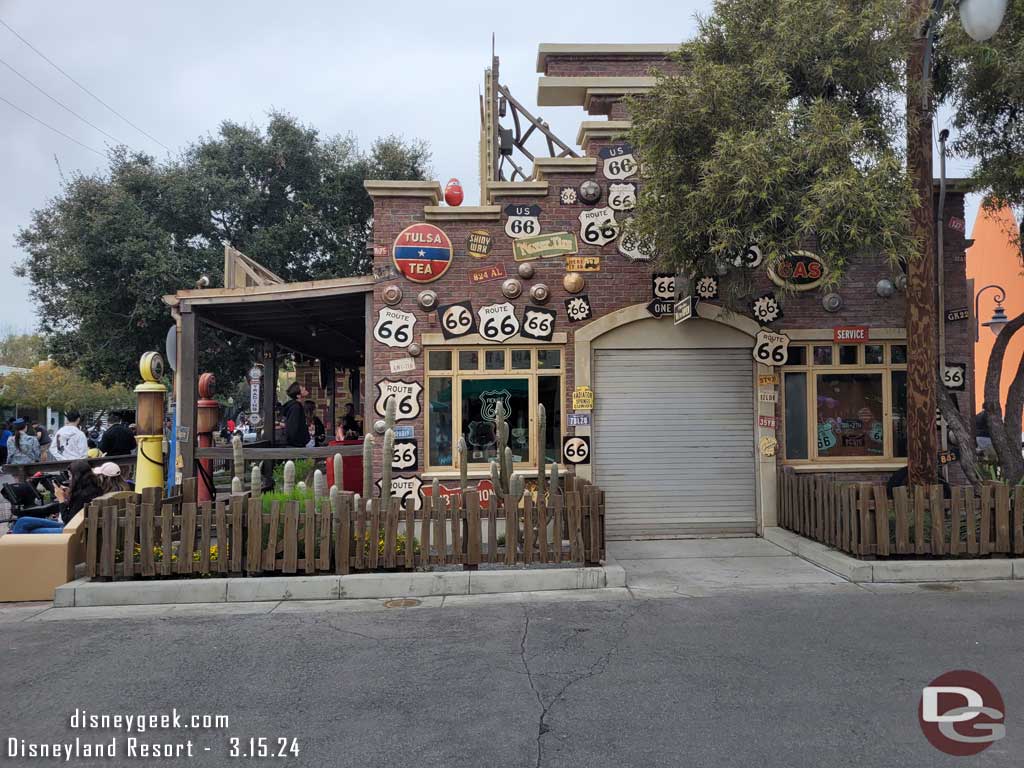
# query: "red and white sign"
[768,422]
[422,253]
[453,495]
[850,334]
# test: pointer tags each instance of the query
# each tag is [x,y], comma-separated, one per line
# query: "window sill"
[479,475]
[873,466]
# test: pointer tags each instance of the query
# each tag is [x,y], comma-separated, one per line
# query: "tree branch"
[1006,445]
[961,431]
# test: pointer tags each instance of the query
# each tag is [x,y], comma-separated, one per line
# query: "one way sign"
[660,307]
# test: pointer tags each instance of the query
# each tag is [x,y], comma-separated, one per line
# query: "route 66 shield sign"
[403,489]
[577,308]
[457,319]
[538,323]
[622,197]
[522,221]
[633,246]
[619,162]
[498,322]
[407,393]
[394,327]
[598,226]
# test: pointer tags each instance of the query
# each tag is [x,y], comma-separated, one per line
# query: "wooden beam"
[367,391]
[269,354]
[281,454]
[187,352]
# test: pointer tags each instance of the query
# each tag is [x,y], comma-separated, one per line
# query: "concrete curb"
[84,593]
[894,571]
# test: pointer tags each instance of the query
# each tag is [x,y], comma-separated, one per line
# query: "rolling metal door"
[673,441]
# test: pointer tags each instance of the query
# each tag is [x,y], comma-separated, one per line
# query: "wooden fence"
[150,536]
[864,520]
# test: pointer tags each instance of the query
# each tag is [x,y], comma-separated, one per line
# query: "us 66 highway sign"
[576,449]
[771,348]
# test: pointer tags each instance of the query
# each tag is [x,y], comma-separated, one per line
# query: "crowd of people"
[22,442]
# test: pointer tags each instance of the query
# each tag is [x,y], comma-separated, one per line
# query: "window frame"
[456,375]
[812,371]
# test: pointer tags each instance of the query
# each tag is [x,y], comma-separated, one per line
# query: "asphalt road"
[827,677]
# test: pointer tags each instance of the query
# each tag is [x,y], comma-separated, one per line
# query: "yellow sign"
[767,379]
[583,399]
[583,263]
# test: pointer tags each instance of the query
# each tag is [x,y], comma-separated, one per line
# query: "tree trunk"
[1005,441]
[1013,417]
[961,430]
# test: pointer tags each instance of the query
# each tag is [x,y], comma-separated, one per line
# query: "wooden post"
[269,384]
[368,414]
[186,406]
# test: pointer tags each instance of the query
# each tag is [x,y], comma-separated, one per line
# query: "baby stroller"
[25,498]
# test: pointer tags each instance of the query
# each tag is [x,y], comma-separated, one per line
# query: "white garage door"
[673,441]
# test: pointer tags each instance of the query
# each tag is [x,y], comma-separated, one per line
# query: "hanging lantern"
[453,192]
[981,18]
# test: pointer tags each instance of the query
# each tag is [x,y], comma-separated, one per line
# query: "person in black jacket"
[314,425]
[118,440]
[73,497]
[296,432]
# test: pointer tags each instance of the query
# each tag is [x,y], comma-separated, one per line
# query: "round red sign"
[422,253]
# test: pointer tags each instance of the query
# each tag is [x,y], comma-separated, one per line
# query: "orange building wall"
[995,259]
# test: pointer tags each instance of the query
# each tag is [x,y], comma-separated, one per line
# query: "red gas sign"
[850,334]
[422,253]
[453,495]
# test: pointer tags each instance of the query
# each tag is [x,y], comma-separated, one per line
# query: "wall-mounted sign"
[768,446]
[402,364]
[619,161]
[954,315]
[633,246]
[478,243]
[404,456]
[452,494]
[598,226]
[948,457]
[799,270]
[957,224]
[406,393]
[578,420]
[403,432]
[576,449]
[954,376]
[577,308]
[682,310]
[583,398]
[749,258]
[422,253]
[767,379]
[622,197]
[457,319]
[851,334]
[583,263]
[827,439]
[567,196]
[498,322]
[382,272]
[486,274]
[767,396]
[380,251]
[661,307]
[405,488]
[544,246]
[394,327]
[766,309]
[768,422]
[663,285]
[522,221]
[538,323]
[771,348]
[706,288]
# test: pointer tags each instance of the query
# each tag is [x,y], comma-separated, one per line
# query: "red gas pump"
[208,415]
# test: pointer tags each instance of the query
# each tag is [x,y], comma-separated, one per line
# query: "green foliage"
[302,497]
[102,253]
[21,350]
[49,385]
[783,128]
[303,468]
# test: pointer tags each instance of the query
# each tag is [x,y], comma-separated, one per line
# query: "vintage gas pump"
[208,415]
[149,421]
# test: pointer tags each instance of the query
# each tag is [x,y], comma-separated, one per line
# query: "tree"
[20,350]
[104,251]
[48,385]
[782,127]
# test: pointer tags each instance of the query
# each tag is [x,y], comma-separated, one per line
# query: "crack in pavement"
[576,676]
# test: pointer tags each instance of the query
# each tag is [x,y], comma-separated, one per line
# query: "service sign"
[954,376]
[402,364]
[583,398]
[405,488]
[544,246]
[457,319]
[955,315]
[522,221]
[538,323]
[578,419]
[578,309]
[498,322]
[663,286]
[478,243]
[622,197]
[619,161]
[598,226]
[422,253]
[576,449]
[406,393]
[394,327]
[799,270]
[771,348]
[582,263]
[851,334]
[486,274]
[404,456]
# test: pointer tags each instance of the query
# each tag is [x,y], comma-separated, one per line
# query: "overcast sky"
[177,69]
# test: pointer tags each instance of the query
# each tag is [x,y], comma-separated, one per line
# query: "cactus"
[339,471]
[542,431]
[507,466]
[386,459]
[289,476]
[517,486]
[390,413]
[236,485]
[463,465]
[319,486]
[368,467]
[301,487]
[238,457]
[553,491]
[256,481]
[335,498]
[496,478]
[435,490]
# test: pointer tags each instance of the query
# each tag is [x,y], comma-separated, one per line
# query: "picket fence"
[153,536]
[864,520]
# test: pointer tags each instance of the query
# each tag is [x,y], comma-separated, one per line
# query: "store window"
[467,387]
[845,402]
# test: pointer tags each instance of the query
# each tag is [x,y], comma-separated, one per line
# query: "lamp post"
[981,19]
[999,318]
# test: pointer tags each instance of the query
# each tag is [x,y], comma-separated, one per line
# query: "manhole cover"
[941,587]
[402,602]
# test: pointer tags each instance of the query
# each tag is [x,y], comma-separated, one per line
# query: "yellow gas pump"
[149,422]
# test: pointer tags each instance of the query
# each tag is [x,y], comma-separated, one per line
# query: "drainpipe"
[940,273]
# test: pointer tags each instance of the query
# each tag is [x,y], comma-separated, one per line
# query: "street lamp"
[999,318]
[981,18]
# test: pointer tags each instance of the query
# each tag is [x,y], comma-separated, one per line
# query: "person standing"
[296,431]
[118,440]
[70,442]
[43,436]
[314,426]
[4,435]
[22,448]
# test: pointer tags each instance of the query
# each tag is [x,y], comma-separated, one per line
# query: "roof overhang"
[599,50]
